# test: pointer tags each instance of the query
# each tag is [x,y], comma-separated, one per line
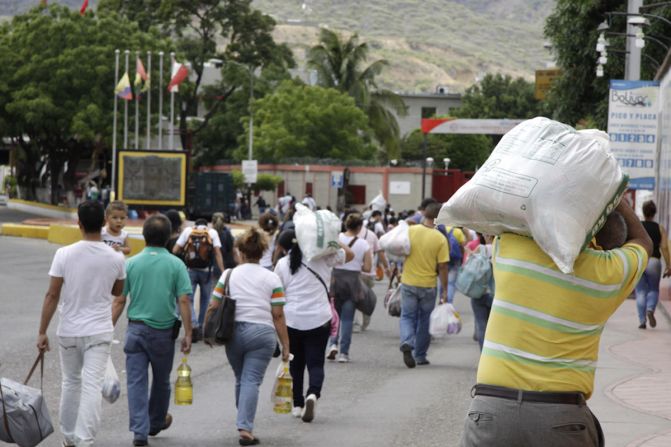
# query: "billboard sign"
[633,110]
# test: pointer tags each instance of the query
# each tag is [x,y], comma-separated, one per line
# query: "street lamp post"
[425,145]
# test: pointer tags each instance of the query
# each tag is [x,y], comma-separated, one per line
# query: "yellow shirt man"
[428,248]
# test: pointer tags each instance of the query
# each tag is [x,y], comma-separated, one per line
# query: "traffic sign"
[250,169]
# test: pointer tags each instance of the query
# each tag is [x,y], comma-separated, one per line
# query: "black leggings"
[308,349]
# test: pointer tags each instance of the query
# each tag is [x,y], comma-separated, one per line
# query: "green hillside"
[427,42]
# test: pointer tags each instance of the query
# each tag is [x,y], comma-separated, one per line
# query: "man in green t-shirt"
[155,282]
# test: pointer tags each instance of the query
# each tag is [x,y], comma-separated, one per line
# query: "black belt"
[137,321]
[572,398]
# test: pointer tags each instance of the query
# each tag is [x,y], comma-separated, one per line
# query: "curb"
[29,231]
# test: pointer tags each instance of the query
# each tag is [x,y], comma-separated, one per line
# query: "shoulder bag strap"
[40,360]
[319,278]
[227,287]
[353,241]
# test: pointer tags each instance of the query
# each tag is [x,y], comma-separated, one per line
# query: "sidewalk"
[632,394]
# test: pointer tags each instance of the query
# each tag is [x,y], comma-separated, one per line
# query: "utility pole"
[632,65]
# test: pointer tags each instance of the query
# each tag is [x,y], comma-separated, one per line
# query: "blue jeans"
[416,306]
[481,309]
[647,289]
[202,278]
[347,310]
[146,346]
[249,354]
[452,274]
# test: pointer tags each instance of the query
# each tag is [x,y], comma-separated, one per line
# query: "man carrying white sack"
[540,351]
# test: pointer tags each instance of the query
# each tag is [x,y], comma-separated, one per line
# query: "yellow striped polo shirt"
[544,328]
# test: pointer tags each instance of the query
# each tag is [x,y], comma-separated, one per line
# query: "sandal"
[249,441]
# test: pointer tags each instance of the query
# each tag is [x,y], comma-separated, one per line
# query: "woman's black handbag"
[220,326]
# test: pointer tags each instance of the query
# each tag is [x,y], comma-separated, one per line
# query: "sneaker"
[343,358]
[651,318]
[641,326]
[195,335]
[408,359]
[356,327]
[140,442]
[297,412]
[333,351]
[365,323]
[309,409]
[166,425]
[423,362]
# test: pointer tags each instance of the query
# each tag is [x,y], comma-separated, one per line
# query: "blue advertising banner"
[633,109]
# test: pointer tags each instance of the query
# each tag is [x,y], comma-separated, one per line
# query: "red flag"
[179,74]
[84,6]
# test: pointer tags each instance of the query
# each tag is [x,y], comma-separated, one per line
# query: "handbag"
[335,318]
[475,276]
[220,327]
[25,416]
[367,300]
[392,299]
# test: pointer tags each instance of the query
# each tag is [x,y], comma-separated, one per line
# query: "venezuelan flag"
[123,89]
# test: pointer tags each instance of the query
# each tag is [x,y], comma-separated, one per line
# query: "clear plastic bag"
[445,320]
[111,385]
[282,396]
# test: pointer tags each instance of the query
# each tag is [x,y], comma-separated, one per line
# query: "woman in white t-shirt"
[347,287]
[259,320]
[308,314]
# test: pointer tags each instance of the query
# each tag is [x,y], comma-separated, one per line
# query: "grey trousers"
[497,422]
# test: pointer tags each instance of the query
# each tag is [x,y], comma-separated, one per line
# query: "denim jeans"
[83,364]
[452,274]
[416,306]
[308,349]
[647,289]
[249,354]
[145,347]
[481,309]
[202,278]
[347,310]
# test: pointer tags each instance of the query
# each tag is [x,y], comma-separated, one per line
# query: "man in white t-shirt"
[201,277]
[284,204]
[310,202]
[84,277]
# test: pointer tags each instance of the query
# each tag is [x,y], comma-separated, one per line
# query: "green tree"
[57,92]
[304,121]
[465,152]
[499,96]
[572,28]
[200,28]
[340,65]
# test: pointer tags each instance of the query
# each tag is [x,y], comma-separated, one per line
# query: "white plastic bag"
[545,180]
[111,385]
[378,203]
[397,241]
[445,320]
[317,232]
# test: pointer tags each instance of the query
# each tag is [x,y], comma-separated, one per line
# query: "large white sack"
[378,203]
[396,242]
[316,231]
[545,180]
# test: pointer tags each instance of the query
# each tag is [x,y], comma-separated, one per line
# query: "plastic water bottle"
[284,397]
[183,386]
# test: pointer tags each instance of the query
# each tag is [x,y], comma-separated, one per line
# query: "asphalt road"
[8,215]
[372,401]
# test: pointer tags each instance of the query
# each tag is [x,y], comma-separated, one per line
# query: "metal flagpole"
[160,100]
[137,107]
[148,142]
[114,132]
[125,110]
[172,107]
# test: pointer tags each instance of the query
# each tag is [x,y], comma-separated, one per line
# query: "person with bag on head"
[347,287]
[157,281]
[428,258]
[309,316]
[541,347]
[200,247]
[259,321]
[84,278]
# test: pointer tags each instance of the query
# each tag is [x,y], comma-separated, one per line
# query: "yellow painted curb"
[64,234]
[32,231]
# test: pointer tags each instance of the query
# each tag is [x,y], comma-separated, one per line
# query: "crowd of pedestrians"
[305,311]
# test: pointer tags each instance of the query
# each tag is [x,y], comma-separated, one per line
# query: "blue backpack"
[456,254]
